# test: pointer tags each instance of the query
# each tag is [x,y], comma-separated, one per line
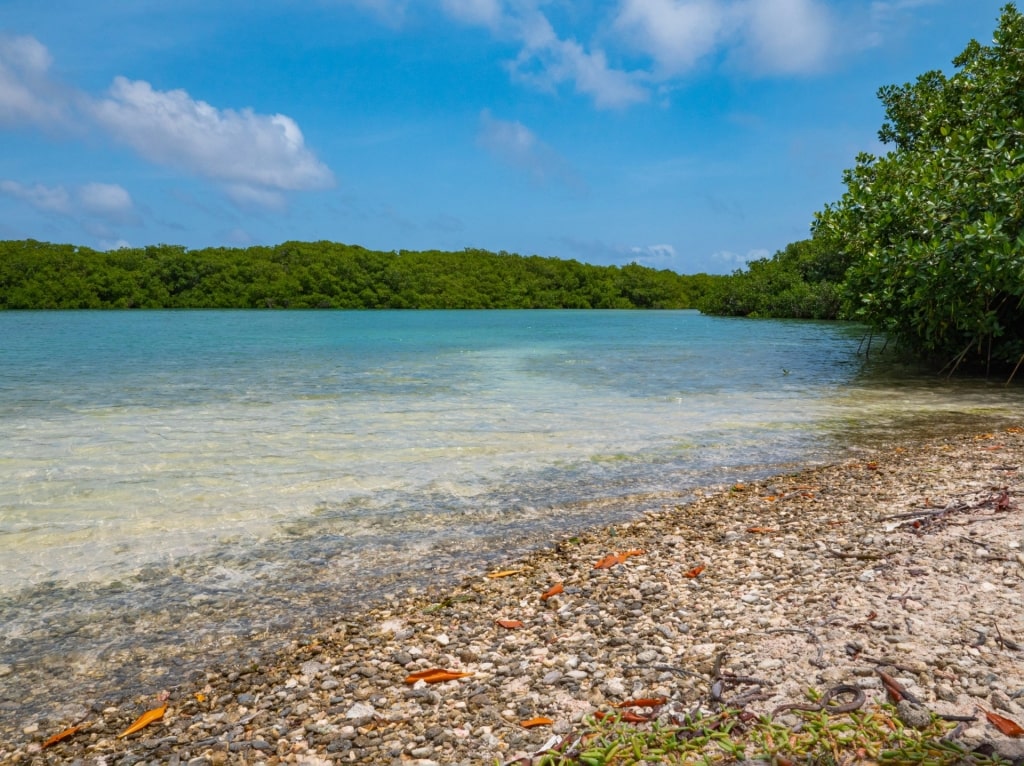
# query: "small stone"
[914,715]
[442,639]
[361,710]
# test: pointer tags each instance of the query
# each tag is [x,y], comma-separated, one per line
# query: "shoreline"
[806,579]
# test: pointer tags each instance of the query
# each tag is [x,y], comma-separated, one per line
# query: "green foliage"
[36,275]
[934,230]
[799,282]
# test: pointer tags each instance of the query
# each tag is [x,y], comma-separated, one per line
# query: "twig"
[817,661]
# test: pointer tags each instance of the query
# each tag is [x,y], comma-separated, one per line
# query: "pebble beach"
[907,559]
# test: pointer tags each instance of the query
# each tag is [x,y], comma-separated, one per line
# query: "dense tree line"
[934,230]
[802,281]
[38,275]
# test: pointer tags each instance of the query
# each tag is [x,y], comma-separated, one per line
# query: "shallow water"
[174,484]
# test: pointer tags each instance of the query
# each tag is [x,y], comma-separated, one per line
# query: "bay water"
[186,487]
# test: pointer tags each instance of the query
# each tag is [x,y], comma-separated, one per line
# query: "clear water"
[208,473]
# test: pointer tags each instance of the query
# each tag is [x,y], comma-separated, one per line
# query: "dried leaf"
[1003,501]
[1005,725]
[554,590]
[144,720]
[200,697]
[510,624]
[504,573]
[435,676]
[871,615]
[608,561]
[760,530]
[694,572]
[644,702]
[61,736]
[632,552]
[538,721]
[1015,430]
[894,688]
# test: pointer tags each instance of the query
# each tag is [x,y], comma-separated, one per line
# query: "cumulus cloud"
[786,36]
[27,94]
[242,149]
[518,146]
[255,157]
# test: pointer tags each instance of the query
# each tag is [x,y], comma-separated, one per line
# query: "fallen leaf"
[993,448]
[435,676]
[644,702]
[608,561]
[694,572]
[510,624]
[538,721]
[144,720]
[771,498]
[61,736]
[894,688]
[872,466]
[503,573]
[760,530]
[871,615]
[630,553]
[554,590]
[1015,430]
[1005,725]
[982,437]
[200,697]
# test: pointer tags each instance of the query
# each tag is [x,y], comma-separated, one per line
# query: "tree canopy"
[40,275]
[933,231]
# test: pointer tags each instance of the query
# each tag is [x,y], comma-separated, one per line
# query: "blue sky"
[684,134]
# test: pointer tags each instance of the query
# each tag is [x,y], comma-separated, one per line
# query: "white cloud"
[518,146]
[786,36]
[237,148]
[737,260]
[676,35]
[27,95]
[88,204]
[486,12]
[48,199]
[767,37]
[109,201]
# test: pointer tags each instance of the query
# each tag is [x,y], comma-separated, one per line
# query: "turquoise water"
[242,472]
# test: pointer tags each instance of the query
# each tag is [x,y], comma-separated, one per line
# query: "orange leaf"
[892,686]
[504,573]
[510,624]
[435,676]
[760,530]
[538,721]
[144,720]
[694,572]
[631,552]
[554,590]
[1005,725]
[608,561]
[644,702]
[61,736]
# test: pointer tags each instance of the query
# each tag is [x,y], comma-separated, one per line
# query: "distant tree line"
[802,281]
[40,275]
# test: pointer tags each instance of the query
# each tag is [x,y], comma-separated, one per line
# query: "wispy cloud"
[92,202]
[518,146]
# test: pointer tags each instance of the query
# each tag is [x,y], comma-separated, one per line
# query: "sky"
[692,135]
